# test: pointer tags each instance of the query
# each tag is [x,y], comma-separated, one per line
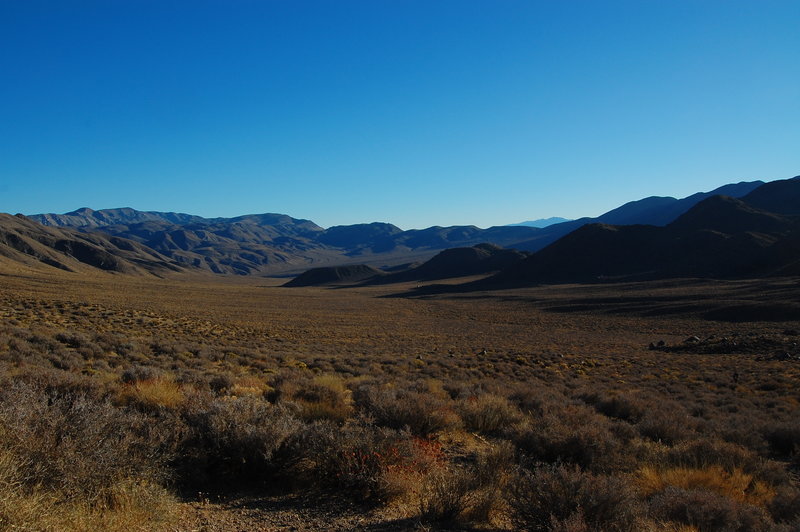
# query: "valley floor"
[630,381]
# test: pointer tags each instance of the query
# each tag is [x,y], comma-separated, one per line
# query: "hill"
[720,237]
[542,222]
[26,242]
[457,262]
[335,275]
[274,243]
[655,210]
[264,244]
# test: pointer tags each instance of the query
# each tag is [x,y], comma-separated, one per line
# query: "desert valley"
[636,371]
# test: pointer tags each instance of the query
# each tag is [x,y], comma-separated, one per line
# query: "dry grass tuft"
[736,485]
[153,394]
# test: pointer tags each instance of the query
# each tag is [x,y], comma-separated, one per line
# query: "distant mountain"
[272,243]
[277,243]
[335,275]
[719,237]
[23,241]
[375,237]
[457,262]
[781,197]
[654,210]
[86,217]
[242,245]
[541,222]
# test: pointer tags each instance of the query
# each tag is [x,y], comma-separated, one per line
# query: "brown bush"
[79,446]
[237,439]
[709,451]
[785,506]
[573,438]
[357,459]
[666,424]
[707,511]
[783,438]
[423,413]
[625,407]
[468,493]
[487,413]
[319,397]
[552,496]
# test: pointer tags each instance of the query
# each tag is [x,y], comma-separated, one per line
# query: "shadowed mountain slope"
[27,242]
[335,275]
[654,210]
[720,237]
[781,197]
[457,262]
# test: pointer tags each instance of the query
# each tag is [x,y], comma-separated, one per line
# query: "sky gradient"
[416,113]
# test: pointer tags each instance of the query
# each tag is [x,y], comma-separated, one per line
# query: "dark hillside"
[719,237]
[458,262]
[334,275]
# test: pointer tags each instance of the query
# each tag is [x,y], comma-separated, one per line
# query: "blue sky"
[416,113]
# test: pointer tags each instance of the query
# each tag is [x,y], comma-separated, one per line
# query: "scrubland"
[234,403]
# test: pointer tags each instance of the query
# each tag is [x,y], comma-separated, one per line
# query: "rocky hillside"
[23,241]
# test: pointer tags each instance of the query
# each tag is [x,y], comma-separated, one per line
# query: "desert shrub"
[73,339]
[785,506]
[138,373]
[319,397]
[127,505]
[706,452]
[625,407]
[79,446]
[487,413]
[668,424]
[468,493]
[783,438]
[537,400]
[236,439]
[20,506]
[588,442]
[358,459]
[446,496]
[707,511]
[220,383]
[423,413]
[552,496]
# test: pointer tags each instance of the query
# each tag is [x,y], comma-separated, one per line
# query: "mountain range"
[542,222]
[130,241]
[719,237]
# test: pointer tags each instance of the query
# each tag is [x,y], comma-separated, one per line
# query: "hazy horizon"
[411,113]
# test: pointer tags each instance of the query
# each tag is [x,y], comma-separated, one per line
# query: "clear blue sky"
[416,113]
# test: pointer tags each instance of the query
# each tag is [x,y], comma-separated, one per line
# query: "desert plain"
[234,403]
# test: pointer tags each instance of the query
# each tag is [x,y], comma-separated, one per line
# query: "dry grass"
[157,393]
[116,390]
[735,484]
